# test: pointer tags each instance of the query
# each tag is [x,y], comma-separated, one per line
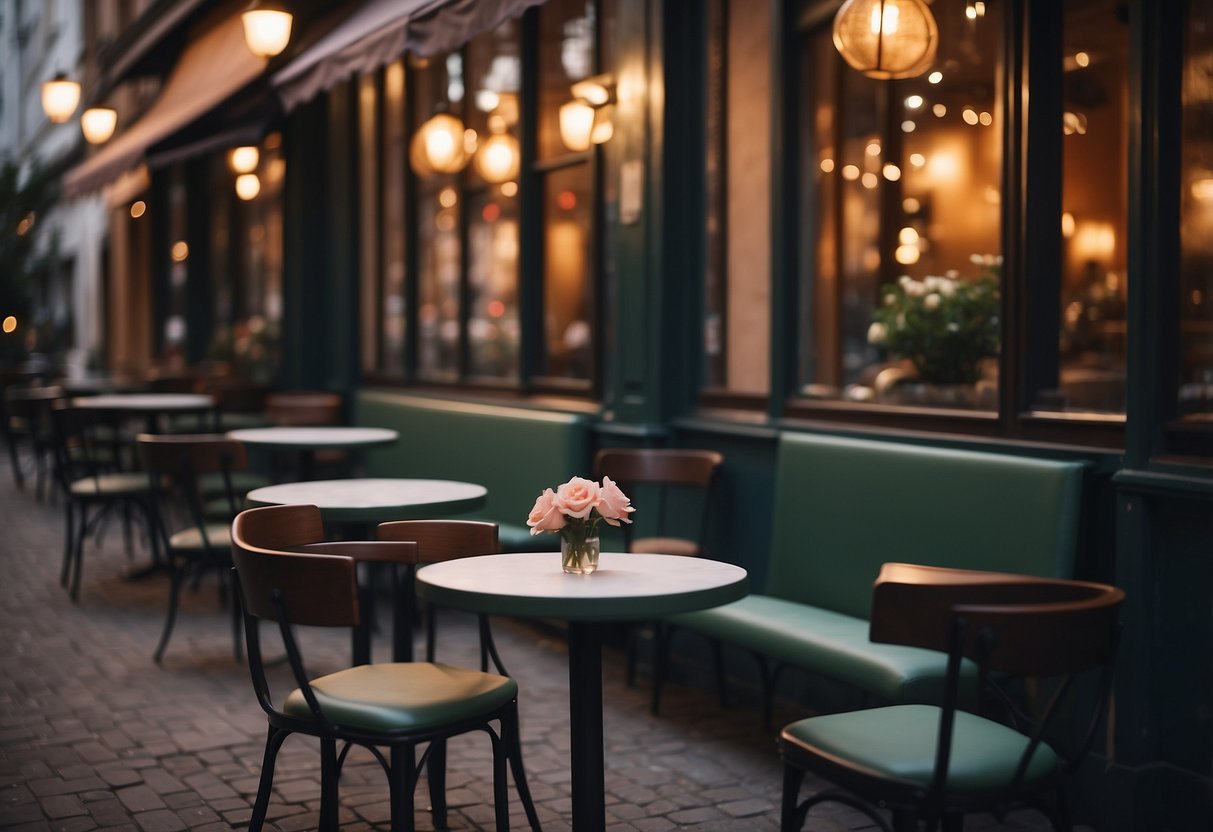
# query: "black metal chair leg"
[722,688]
[328,785]
[68,539]
[78,555]
[511,736]
[501,796]
[435,773]
[661,635]
[630,654]
[789,820]
[272,743]
[401,783]
[1060,818]
[237,619]
[177,578]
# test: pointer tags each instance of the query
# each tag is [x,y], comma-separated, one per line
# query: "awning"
[214,67]
[380,31]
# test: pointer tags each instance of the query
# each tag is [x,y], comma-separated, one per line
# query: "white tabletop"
[314,437]
[147,401]
[374,500]
[625,587]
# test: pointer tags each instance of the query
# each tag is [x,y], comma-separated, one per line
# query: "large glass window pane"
[568,273]
[1196,218]
[567,52]
[494,70]
[1094,222]
[900,220]
[393,218]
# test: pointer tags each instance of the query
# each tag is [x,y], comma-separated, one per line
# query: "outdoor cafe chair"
[675,486]
[992,749]
[288,577]
[175,465]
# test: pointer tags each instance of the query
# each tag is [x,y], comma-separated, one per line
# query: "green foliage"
[945,326]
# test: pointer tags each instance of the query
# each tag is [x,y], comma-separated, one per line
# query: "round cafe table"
[308,440]
[148,405]
[626,587]
[365,502]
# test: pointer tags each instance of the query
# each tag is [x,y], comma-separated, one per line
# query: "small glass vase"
[579,555]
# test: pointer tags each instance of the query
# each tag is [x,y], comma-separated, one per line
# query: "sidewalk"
[94,735]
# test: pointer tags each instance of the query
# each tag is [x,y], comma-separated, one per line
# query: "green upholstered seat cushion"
[843,507]
[899,742]
[111,485]
[404,696]
[219,536]
[827,643]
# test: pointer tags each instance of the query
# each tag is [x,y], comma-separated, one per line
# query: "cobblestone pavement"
[94,735]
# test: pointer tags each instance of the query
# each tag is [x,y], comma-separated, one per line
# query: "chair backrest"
[303,409]
[1047,628]
[318,590]
[440,540]
[175,462]
[659,473]
[85,441]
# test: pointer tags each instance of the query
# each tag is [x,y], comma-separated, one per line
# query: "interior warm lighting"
[886,39]
[59,98]
[1094,241]
[891,172]
[827,165]
[940,110]
[448,197]
[248,186]
[138,209]
[1082,59]
[985,118]
[244,159]
[267,29]
[180,251]
[604,125]
[908,126]
[913,102]
[935,77]
[509,189]
[869,181]
[917,160]
[10,324]
[498,159]
[911,205]
[907,236]
[873,148]
[576,125]
[1202,189]
[1067,225]
[26,223]
[907,255]
[98,123]
[439,146]
[595,91]
[850,173]
[970,116]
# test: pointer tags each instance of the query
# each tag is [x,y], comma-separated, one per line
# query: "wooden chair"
[287,576]
[25,418]
[176,466]
[935,763]
[654,479]
[303,409]
[89,471]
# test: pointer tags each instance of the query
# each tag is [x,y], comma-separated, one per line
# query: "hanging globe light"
[267,29]
[439,146]
[98,123]
[244,159]
[886,39]
[497,160]
[248,186]
[60,95]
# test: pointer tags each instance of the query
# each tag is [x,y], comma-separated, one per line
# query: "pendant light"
[60,95]
[98,123]
[886,39]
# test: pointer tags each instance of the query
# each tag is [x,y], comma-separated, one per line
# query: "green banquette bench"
[843,507]
[512,451]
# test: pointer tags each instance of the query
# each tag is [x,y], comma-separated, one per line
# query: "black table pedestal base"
[585,718]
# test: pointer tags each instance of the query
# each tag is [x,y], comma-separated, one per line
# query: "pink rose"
[577,497]
[545,516]
[613,504]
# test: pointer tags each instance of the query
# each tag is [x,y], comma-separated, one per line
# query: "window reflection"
[901,179]
[393,311]
[567,53]
[568,298]
[1196,218]
[1094,222]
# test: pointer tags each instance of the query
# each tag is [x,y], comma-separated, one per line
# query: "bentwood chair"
[176,466]
[25,418]
[287,577]
[89,471]
[934,764]
[675,488]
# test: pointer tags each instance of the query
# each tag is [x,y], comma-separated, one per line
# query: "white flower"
[976,259]
[947,288]
[901,321]
[951,274]
[915,289]
[904,281]
[953,327]
[890,299]
[931,302]
[933,283]
[877,333]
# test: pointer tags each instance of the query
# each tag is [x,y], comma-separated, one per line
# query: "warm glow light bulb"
[248,186]
[498,158]
[98,123]
[244,159]
[576,125]
[886,39]
[267,31]
[59,98]
[10,324]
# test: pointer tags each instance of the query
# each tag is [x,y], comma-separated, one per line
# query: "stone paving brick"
[160,820]
[63,806]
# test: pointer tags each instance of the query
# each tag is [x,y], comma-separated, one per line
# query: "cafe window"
[450,148]
[1196,219]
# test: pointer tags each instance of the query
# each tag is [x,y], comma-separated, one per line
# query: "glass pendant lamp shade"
[886,39]
[98,123]
[497,160]
[248,186]
[59,98]
[438,146]
[576,125]
[244,159]
[267,29]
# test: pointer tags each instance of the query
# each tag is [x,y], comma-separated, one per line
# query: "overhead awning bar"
[215,66]
[381,31]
